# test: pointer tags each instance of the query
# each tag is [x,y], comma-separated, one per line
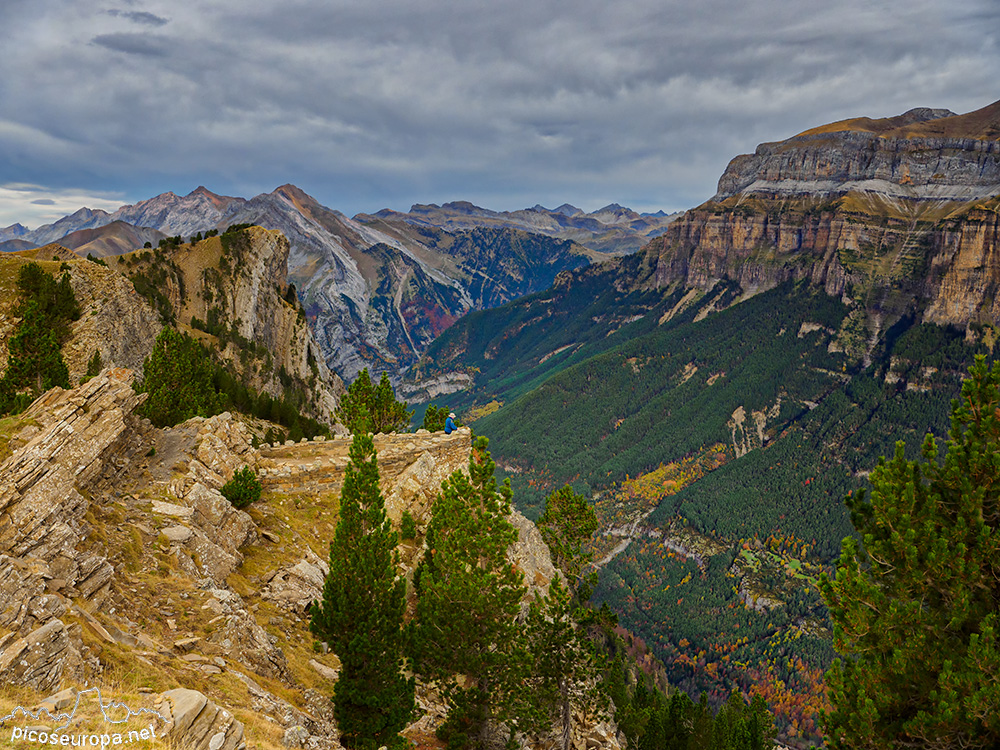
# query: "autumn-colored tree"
[915,609]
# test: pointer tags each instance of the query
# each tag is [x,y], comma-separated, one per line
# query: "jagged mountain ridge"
[377,292]
[168,213]
[13,232]
[613,229]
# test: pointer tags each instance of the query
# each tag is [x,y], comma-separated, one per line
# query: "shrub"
[407,526]
[94,365]
[242,489]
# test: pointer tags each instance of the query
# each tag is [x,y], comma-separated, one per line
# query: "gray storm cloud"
[507,104]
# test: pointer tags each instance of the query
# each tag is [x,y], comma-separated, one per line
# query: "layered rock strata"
[899,216]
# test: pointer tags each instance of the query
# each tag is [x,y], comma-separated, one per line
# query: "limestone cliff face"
[115,321]
[923,154]
[964,269]
[239,283]
[897,215]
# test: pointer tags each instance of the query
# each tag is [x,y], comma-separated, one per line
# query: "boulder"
[39,659]
[196,722]
[297,586]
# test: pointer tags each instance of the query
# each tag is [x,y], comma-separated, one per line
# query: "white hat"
[452,415]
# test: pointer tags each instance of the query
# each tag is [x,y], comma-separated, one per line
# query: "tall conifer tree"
[567,524]
[470,595]
[916,611]
[565,669]
[361,615]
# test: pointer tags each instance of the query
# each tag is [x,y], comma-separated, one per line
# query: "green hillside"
[726,442]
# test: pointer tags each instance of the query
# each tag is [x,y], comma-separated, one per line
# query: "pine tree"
[916,610]
[34,361]
[367,407]
[470,595]
[361,615]
[177,375]
[565,671]
[434,418]
[566,525]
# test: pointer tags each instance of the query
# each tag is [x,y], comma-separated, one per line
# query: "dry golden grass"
[983,123]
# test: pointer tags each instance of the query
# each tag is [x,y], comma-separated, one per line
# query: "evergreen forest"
[726,442]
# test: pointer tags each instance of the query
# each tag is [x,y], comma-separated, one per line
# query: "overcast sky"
[506,103]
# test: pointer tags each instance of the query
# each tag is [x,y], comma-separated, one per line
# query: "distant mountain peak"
[13,232]
[290,189]
[567,209]
[465,207]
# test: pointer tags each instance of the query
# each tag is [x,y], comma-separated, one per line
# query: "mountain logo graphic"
[48,711]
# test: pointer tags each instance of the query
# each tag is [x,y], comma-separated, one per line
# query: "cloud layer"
[34,205]
[507,104]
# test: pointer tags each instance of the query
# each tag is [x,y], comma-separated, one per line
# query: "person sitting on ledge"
[449,424]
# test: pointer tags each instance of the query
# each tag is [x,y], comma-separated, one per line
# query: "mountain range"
[613,229]
[715,394]
[389,282]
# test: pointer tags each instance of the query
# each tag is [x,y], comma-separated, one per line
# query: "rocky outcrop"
[532,556]
[898,216]
[194,722]
[73,443]
[39,659]
[748,434]
[206,531]
[247,641]
[894,158]
[116,322]
[411,467]
[297,586]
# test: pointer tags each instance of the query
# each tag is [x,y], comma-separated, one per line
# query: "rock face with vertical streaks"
[901,212]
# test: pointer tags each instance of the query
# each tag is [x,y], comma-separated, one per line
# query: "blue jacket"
[449,426]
